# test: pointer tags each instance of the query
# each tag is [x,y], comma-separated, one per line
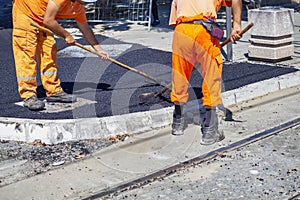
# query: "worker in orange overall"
[197,40]
[30,43]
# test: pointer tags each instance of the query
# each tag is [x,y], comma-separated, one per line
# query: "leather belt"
[211,26]
[197,22]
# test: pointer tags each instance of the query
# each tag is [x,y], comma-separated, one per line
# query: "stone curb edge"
[57,131]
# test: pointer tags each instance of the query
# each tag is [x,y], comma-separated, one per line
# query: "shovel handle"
[96,53]
[240,34]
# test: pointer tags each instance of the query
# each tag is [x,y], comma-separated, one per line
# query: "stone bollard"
[272,34]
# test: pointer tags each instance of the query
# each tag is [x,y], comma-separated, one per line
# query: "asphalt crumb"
[21,160]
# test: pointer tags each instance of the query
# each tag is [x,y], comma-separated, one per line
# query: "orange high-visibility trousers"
[30,43]
[192,43]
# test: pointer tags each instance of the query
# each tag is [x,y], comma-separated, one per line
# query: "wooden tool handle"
[96,53]
[240,34]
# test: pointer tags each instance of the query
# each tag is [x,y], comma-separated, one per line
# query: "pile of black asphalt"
[5,14]
[109,89]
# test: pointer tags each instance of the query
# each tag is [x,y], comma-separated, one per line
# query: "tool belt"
[211,26]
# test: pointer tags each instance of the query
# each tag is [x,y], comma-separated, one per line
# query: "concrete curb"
[56,131]
[261,88]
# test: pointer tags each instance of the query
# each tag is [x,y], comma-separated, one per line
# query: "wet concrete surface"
[268,169]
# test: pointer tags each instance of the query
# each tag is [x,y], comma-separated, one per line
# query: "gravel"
[20,160]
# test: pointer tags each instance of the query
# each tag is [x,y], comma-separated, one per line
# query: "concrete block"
[270,53]
[272,42]
[272,33]
[270,22]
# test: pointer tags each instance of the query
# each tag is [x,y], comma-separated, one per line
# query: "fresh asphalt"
[110,89]
[91,78]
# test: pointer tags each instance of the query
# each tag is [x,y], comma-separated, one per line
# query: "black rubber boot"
[179,123]
[210,132]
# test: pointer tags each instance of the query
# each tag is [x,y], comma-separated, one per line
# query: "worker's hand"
[70,40]
[234,36]
[103,54]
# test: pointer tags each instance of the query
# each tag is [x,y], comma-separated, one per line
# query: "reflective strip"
[29,78]
[49,73]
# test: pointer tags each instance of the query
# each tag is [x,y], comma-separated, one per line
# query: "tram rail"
[160,174]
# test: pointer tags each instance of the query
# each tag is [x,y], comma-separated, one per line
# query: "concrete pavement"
[159,37]
[145,153]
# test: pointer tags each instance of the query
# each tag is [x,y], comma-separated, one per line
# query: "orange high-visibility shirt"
[190,8]
[35,9]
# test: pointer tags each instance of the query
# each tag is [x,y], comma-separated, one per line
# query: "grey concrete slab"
[148,152]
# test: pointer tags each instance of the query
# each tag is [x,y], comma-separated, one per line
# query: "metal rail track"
[194,161]
[296,197]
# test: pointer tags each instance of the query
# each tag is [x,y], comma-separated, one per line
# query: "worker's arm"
[237,17]
[91,39]
[51,23]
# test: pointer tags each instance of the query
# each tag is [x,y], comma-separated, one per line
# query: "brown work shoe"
[62,97]
[33,103]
